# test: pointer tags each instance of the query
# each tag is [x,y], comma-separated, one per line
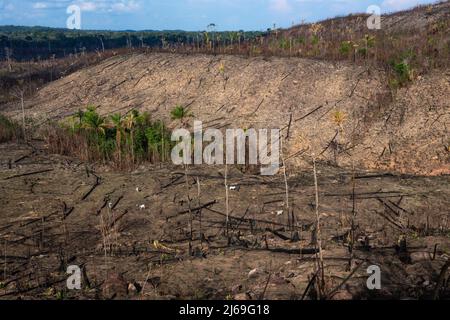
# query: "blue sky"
[187,14]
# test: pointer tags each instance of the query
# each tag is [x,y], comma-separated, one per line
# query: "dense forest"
[25,43]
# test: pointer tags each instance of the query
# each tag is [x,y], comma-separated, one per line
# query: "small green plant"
[222,68]
[229,297]
[284,44]
[301,40]
[179,113]
[49,292]
[345,48]
[402,74]
[402,69]
[370,41]
[339,118]
[315,40]
[59,295]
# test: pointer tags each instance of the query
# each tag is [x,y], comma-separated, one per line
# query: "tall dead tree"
[19,93]
[227,203]
[320,264]
[102,43]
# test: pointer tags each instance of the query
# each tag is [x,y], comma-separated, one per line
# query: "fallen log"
[173,181]
[114,205]
[333,292]
[308,114]
[103,206]
[24,157]
[113,223]
[67,210]
[28,174]
[205,206]
[278,234]
[96,184]
[303,227]
[292,251]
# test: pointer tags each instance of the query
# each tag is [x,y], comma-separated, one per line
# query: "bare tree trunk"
[318,230]
[4,266]
[23,115]
[226,200]
[19,93]
[103,45]
[286,187]
[191,217]
[199,194]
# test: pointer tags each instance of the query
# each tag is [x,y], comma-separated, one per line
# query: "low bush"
[9,130]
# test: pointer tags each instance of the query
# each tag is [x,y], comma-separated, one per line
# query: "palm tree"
[239,34]
[233,37]
[207,40]
[212,28]
[79,115]
[179,113]
[117,122]
[130,122]
[93,121]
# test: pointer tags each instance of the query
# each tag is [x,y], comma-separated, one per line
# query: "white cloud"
[391,5]
[40,5]
[91,5]
[125,6]
[280,6]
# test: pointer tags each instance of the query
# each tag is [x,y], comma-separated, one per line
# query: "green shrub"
[345,48]
[402,69]
[315,40]
[301,40]
[283,44]
[402,72]
[9,129]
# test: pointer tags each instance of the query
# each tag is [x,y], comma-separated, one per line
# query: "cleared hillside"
[405,131]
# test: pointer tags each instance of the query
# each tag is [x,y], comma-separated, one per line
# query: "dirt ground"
[139,236]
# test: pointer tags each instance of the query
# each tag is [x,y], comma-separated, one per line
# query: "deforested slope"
[404,130]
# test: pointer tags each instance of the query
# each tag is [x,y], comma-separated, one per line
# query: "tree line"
[27,43]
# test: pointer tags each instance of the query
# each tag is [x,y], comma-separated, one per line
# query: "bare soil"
[56,211]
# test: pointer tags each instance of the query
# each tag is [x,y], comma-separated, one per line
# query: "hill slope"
[407,132]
